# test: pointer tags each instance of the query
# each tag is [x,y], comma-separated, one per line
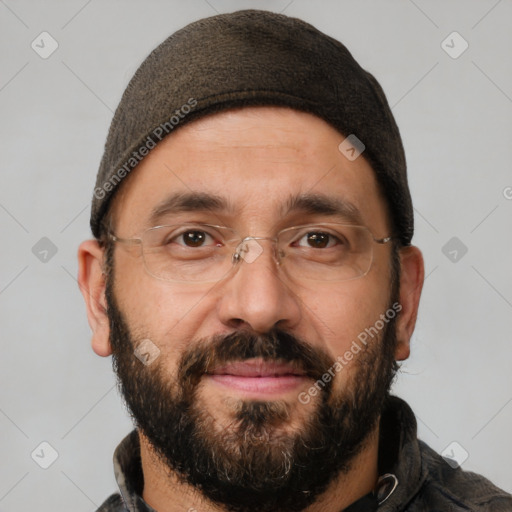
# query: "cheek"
[342,312]
[146,299]
[154,309]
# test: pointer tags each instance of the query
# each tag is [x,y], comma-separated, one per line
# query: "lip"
[257,376]
[257,368]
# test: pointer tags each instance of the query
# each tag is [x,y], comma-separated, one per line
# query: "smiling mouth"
[257,376]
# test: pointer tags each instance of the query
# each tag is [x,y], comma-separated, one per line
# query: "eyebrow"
[190,202]
[322,204]
[310,203]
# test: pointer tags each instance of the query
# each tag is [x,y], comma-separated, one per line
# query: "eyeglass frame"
[235,258]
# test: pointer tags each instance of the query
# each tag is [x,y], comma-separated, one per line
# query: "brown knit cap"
[249,58]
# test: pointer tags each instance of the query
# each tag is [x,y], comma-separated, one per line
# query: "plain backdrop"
[454,111]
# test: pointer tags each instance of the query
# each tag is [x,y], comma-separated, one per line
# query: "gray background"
[455,115]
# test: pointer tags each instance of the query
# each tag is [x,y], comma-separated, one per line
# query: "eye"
[193,238]
[318,240]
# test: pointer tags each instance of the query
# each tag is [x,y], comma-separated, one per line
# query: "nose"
[256,294]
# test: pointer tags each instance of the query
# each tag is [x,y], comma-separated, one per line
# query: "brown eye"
[192,238]
[317,240]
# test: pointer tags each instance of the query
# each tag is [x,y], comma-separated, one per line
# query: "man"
[253,278]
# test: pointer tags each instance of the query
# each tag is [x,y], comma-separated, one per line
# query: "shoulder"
[462,490]
[113,503]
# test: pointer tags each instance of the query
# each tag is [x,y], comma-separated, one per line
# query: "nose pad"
[250,250]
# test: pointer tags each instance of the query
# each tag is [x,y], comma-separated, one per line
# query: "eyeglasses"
[207,253]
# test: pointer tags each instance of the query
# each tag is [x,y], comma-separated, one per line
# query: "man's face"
[231,393]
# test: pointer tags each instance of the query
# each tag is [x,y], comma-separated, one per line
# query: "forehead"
[255,164]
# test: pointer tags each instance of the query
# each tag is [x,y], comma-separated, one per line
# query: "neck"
[164,492]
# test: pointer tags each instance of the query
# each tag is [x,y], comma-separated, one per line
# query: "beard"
[253,462]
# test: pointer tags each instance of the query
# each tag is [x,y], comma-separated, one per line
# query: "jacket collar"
[399,453]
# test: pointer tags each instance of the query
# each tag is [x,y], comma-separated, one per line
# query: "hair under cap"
[250,58]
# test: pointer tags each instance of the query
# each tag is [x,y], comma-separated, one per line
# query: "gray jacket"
[426,482]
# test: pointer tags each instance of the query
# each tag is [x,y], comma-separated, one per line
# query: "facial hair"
[252,464]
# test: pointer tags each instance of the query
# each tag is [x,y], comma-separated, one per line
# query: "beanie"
[251,58]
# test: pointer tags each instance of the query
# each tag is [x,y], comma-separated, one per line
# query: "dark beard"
[249,465]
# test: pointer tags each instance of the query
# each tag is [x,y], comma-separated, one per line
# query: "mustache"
[275,345]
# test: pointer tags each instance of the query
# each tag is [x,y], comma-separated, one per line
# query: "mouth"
[258,377]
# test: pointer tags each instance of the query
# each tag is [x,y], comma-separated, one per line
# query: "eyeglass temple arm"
[128,241]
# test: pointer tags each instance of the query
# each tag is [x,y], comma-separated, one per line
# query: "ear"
[92,281]
[411,284]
